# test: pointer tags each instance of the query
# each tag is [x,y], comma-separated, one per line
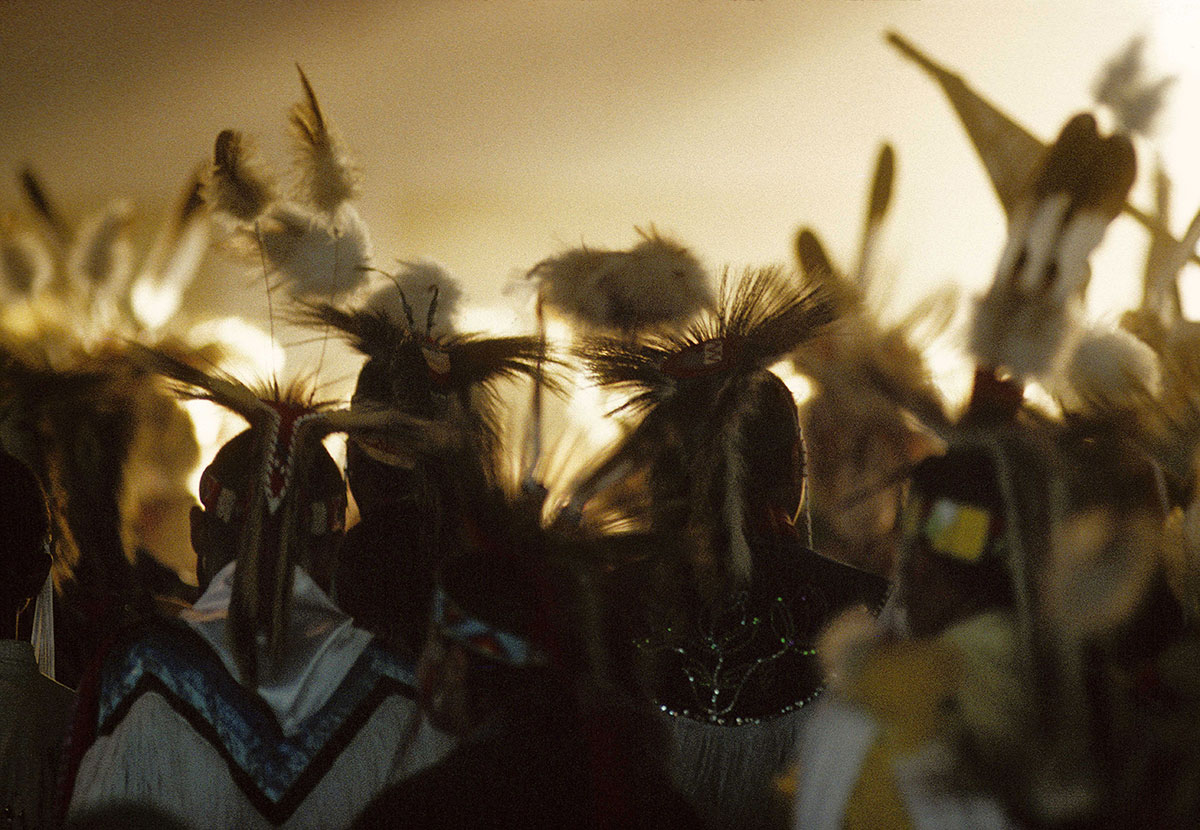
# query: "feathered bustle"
[657,282]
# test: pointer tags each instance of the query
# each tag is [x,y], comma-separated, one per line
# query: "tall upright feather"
[329,177]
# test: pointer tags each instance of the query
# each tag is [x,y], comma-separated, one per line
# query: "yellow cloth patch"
[959,531]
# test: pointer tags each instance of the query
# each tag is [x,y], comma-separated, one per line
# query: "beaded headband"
[481,638]
[325,516]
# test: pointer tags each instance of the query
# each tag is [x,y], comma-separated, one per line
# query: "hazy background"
[494,132]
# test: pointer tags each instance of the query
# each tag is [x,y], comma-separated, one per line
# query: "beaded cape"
[751,656]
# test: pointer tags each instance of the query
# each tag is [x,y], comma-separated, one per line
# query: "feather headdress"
[656,282]
[417,370]
[705,394]
[1029,317]
[276,517]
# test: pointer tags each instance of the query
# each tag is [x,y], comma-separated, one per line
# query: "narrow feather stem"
[337,251]
[262,256]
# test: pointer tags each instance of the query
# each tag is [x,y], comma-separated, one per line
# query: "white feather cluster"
[1029,320]
[658,281]
[1113,370]
[421,281]
[319,248]
[316,257]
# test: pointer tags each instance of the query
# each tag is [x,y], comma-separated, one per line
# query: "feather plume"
[1029,318]
[101,256]
[1123,86]
[238,186]
[26,266]
[316,256]
[328,176]
[197,384]
[35,194]
[656,282]
[877,208]
[173,260]
[814,261]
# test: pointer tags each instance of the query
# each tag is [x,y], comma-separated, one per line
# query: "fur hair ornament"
[656,282]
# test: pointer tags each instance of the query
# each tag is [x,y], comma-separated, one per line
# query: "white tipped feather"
[26,265]
[328,177]
[316,256]
[1113,370]
[657,281]
[169,269]
[1029,320]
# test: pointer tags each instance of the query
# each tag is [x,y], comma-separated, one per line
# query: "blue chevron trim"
[275,771]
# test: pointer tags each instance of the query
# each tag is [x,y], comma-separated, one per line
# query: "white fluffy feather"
[417,280]
[1112,369]
[316,256]
[657,281]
